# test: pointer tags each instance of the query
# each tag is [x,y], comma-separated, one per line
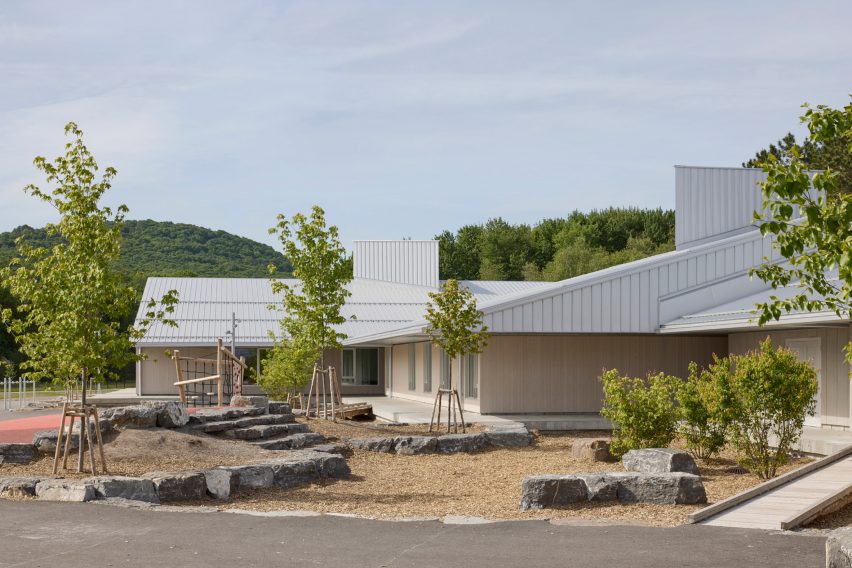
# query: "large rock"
[17,453]
[138,416]
[544,491]
[331,448]
[256,401]
[508,435]
[256,476]
[838,549]
[293,471]
[169,414]
[130,488]
[456,443]
[75,490]
[659,460]
[279,408]
[220,482]
[293,441]
[592,449]
[330,465]
[415,445]
[18,486]
[660,488]
[45,442]
[376,444]
[181,486]
[600,487]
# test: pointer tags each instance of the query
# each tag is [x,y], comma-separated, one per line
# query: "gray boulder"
[659,460]
[660,488]
[838,549]
[600,487]
[18,486]
[74,490]
[415,445]
[330,465]
[592,449]
[130,488]
[45,442]
[169,414]
[244,400]
[377,444]
[181,486]
[17,453]
[293,471]
[331,448]
[293,441]
[505,437]
[256,476]
[466,443]
[220,483]
[137,416]
[544,491]
[279,408]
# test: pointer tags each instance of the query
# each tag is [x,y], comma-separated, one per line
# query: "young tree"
[70,297]
[312,308]
[813,232]
[455,325]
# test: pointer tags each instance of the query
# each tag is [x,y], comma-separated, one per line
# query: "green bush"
[764,396]
[703,422]
[286,369]
[642,411]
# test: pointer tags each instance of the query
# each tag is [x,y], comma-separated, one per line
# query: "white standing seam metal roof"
[741,313]
[205,305]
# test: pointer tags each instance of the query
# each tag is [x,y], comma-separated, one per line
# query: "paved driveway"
[87,535]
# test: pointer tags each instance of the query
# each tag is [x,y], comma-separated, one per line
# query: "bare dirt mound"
[135,452]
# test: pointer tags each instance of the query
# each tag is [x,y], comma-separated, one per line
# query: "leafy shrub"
[703,422]
[642,411]
[763,396]
[286,369]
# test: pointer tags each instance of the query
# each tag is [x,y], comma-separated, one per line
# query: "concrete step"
[292,441]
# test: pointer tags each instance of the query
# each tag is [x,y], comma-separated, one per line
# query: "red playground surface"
[21,430]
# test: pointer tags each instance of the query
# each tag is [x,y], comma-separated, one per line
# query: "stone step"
[292,441]
[265,419]
[220,414]
[263,431]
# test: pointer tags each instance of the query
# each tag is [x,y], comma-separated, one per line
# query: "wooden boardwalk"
[788,501]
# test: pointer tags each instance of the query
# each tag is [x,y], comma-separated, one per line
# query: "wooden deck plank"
[797,498]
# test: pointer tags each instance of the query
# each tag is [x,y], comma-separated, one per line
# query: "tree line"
[555,248]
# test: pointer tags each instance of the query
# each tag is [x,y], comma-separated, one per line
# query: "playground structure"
[201,380]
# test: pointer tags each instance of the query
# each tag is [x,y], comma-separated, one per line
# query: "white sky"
[404,118]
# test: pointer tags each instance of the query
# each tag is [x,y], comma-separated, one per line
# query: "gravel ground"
[485,484]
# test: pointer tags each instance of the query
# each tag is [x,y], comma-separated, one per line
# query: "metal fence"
[15,393]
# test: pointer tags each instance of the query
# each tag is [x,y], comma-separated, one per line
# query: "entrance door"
[809,350]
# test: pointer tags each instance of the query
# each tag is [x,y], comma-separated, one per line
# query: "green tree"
[71,300]
[812,230]
[763,397]
[312,308]
[455,323]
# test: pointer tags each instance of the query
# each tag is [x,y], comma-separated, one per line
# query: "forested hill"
[557,248]
[158,248]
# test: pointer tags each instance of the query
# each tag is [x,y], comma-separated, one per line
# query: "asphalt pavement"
[91,535]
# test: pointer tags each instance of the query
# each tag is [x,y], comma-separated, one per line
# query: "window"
[252,362]
[360,366]
[470,375]
[446,367]
[412,378]
[348,366]
[427,367]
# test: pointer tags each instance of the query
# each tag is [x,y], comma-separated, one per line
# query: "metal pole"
[234,334]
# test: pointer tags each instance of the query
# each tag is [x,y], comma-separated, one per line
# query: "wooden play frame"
[63,448]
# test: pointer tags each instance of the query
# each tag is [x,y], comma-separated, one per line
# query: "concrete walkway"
[90,535]
[415,412]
